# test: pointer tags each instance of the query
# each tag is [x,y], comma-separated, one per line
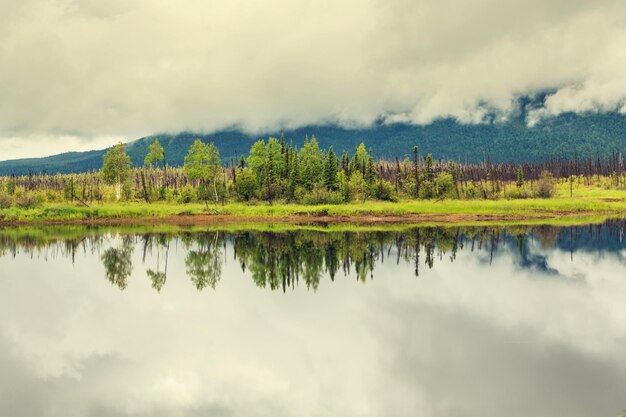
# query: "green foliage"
[344,186]
[310,163]
[11,186]
[204,264]
[256,160]
[116,166]
[445,185]
[357,186]
[155,154]
[520,177]
[427,189]
[6,201]
[546,185]
[359,160]
[331,165]
[384,191]
[429,173]
[246,185]
[30,200]
[187,194]
[118,264]
[517,193]
[203,163]
[127,191]
[321,195]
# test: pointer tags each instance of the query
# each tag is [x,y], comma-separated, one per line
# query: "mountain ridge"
[567,135]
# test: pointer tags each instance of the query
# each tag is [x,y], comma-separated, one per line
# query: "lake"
[481,321]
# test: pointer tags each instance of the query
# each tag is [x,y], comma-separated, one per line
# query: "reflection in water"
[503,321]
[204,262]
[117,262]
[280,260]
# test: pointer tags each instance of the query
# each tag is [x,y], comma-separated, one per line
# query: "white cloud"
[94,69]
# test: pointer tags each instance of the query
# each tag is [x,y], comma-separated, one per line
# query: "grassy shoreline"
[560,209]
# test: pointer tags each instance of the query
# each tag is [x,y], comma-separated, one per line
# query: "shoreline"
[547,211]
[307,219]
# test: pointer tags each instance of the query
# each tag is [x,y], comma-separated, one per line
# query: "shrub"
[5,201]
[546,186]
[187,194]
[246,184]
[127,191]
[320,195]
[445,185]
[30,200]
[517,193]
[427,189]
[11,187]
[383,190]
[53,196]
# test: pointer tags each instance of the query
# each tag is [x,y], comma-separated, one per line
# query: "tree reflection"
[204,263]
[118,264]
[284,259]
[157,277]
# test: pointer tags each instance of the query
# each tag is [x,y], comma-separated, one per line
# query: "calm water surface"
[431,322]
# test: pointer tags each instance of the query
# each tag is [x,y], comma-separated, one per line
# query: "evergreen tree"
[359,160]
[330,170]
[270,177]
[416,178]
[345,163]
[520,177]
[293,181]
[370,170]
[429,173]
[275,148]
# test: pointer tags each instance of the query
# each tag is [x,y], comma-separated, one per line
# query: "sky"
[84,74]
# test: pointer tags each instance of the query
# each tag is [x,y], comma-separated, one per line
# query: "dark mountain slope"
[567,135]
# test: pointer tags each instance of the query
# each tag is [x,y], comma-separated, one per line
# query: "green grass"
[587,201]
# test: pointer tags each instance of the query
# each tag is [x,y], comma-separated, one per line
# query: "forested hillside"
[566,136]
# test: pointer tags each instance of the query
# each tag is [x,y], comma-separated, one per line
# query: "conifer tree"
[429,173]
[520,177]
[345,163]
[370,171]
[416,172]
[330,170]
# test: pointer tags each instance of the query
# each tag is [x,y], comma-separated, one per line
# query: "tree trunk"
[118,189]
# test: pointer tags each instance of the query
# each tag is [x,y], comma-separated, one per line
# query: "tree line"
[277,171]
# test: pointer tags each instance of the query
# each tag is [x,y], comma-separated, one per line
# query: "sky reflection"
[489,332]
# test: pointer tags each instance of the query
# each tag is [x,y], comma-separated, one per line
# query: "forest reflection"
[280,260]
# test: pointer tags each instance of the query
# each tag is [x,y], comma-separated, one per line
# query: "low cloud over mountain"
[88,73]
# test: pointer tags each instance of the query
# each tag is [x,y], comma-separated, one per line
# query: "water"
[484,321]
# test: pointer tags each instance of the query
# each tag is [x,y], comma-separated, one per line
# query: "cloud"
[93,69]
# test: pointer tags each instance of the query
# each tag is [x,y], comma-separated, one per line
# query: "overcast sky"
[82,74]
